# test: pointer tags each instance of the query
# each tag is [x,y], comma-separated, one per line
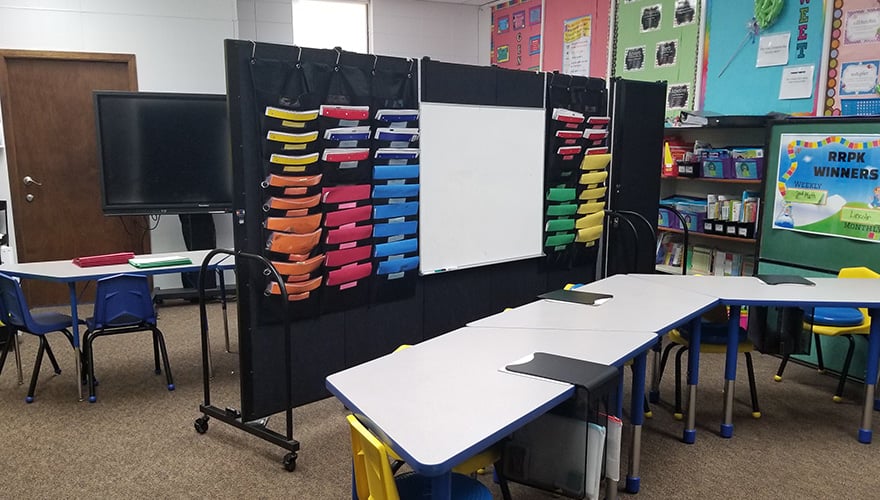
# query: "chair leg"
[750,369]
[838,396]
[664,358]
[39,361]
[819,360]
[156,352]
[778,376]
[88,351]
[5,349]
[52,357]
[157,334]
[502,480]
[677,412]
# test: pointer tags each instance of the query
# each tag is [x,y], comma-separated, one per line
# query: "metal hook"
[375,62]
[338,56]
[299,57]
[253,49]
[412,62]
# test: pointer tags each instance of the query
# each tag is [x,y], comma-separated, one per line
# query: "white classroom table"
[750,291]
[635,306]
[65,271]
[458,400]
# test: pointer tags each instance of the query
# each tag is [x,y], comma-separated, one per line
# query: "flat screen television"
[163,153]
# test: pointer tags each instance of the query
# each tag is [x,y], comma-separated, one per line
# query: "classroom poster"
[852,83]
[560,16]
[829,185]
[516,35]
[658,40]
[577,34]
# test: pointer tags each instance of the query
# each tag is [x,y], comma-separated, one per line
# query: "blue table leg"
[618,404]
[730,369]
[77,362]
[865,431]
[690,428]
[638,417]
[441,486]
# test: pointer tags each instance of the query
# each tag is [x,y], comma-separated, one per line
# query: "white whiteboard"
[482,184]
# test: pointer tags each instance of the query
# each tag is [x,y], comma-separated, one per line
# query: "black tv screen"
[163,153]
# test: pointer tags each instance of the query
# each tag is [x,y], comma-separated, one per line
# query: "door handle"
[29,197]
[28,180]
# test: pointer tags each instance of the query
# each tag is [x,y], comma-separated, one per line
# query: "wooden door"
[49,122]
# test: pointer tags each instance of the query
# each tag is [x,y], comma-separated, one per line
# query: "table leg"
[637,412]
[441,486]
[730,370]
[865,431]
[654,394]
[690,429]
[77,363]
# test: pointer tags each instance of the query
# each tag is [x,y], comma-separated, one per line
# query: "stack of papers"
[169,260]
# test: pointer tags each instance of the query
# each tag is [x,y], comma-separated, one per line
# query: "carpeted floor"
[138,440]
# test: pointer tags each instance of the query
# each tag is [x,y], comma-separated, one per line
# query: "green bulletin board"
[657,40]
[812,251]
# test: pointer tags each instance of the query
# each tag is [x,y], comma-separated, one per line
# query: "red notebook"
[103,260]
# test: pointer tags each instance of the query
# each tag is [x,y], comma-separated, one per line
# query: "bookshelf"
[731,246]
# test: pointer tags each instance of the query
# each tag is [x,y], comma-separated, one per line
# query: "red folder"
[346,234]
[104,259]
[339,258]
[349,274]
[342,194]
[345,112]
[343,217]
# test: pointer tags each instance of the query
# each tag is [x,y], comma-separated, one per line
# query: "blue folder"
[397,115]
[395,229]
[397,134]
[397,153]
[397,265]
[396,247]
[395,210]
[385,172]
[395,191]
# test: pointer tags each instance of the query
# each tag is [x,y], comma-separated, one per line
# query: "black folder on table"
[586,374]
[781,279]
[588,298]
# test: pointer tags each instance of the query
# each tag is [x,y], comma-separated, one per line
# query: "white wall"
[411,28]
[178,46]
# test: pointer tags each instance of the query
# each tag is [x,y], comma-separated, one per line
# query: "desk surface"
[637,305]
[748,290]
[66,271]
[454,399]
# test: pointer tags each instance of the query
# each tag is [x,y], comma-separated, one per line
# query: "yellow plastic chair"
[374,480]
[837,322]
[714,321]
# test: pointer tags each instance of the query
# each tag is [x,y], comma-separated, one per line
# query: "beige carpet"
[138,440]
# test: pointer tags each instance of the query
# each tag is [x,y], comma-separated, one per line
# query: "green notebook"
[147,262]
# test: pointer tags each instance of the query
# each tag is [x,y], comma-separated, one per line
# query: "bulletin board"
[744,89]
[853,65]
[516,34]
[804,249]
[658,40]
[576,37]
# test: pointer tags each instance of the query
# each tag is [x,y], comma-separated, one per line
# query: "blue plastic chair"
[17,316]
[123,304]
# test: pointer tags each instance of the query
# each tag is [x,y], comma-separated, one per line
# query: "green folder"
[558,240]
[148,262]
[561,194]
[557,210]
[553,226]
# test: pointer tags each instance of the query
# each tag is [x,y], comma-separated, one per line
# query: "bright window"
[324,24]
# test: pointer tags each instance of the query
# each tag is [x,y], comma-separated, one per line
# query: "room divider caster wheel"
[289,461]
[201,425]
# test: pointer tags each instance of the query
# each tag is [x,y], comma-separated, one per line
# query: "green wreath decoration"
[767,12]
